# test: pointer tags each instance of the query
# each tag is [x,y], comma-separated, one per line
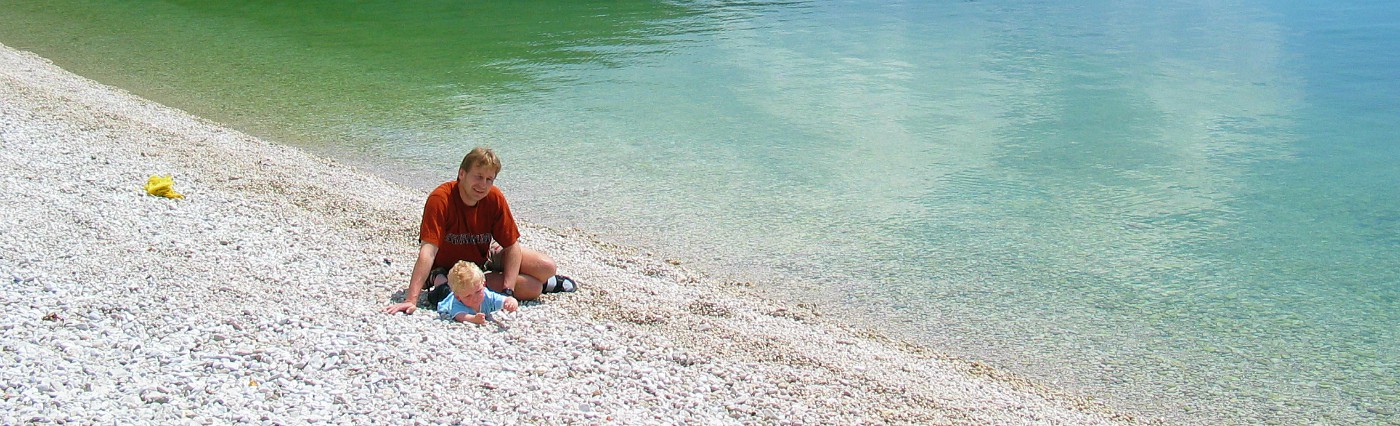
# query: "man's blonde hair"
[465,278]
[481,157]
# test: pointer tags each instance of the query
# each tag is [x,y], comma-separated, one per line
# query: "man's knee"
[542,263]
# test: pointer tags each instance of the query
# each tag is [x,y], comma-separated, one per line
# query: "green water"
[362,79]
[1186,209]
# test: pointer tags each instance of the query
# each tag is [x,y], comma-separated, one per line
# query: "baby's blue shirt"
[450,306]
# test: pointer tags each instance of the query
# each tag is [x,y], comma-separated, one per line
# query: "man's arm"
[510,268]
[426,253]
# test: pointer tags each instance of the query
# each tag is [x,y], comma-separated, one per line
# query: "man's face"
[474,184]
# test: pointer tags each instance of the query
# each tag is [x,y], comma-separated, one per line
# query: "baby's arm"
[510,304]
[477,319]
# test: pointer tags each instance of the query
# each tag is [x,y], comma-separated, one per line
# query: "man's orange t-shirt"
[463,232]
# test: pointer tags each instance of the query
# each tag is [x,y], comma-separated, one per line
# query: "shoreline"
[257,297]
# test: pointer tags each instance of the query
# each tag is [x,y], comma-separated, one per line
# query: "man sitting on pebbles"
[469,220]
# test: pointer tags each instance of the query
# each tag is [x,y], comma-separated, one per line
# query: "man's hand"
[510,304]
[421,269]
[406,307]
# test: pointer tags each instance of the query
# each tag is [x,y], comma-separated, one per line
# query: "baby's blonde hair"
[465,278]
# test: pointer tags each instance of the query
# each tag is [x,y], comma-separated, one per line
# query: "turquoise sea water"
[1185,208]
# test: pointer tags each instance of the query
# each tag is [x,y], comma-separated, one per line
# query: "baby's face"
[473,298]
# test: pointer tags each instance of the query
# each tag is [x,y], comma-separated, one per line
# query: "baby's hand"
[477,319]
[511,304]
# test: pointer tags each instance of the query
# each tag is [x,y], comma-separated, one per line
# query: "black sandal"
[560,284]
[434,294]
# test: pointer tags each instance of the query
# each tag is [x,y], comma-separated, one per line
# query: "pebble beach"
[256,299]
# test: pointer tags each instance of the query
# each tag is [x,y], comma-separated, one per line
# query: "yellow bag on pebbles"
[162,186]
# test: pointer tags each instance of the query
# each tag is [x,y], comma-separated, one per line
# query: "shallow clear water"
[1185,208]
